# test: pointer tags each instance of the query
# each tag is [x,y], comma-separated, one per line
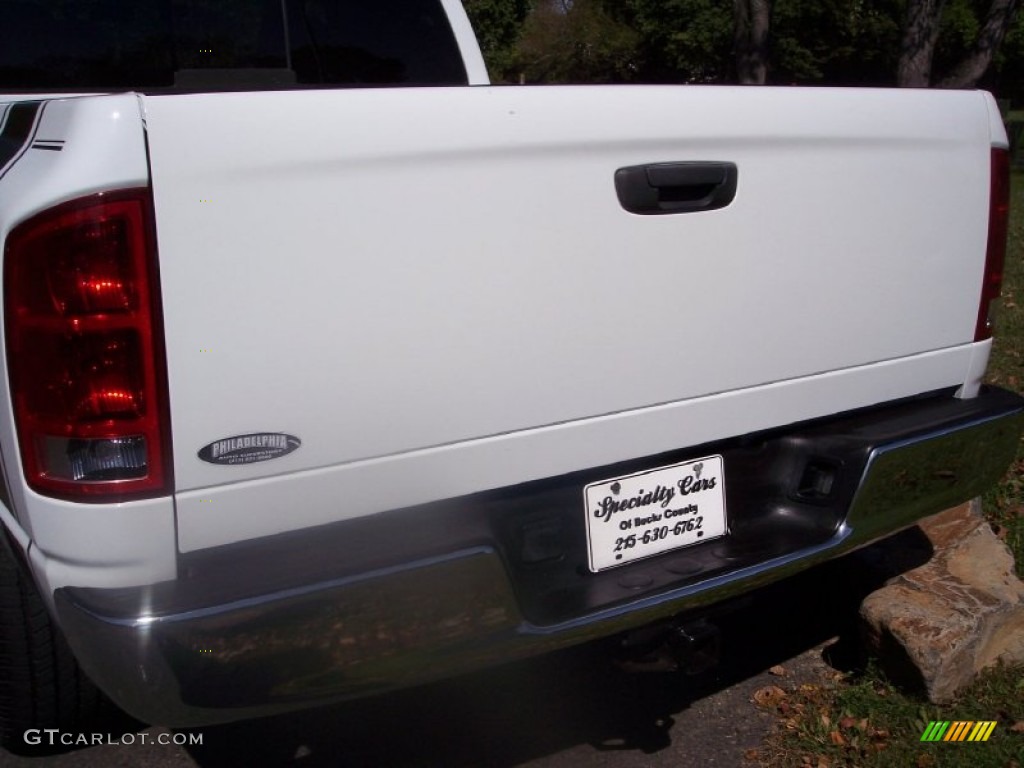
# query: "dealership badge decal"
[249,449]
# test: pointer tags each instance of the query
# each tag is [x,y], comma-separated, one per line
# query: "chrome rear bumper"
[317,615]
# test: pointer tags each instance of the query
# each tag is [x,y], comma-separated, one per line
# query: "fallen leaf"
[837,738]
[1018,727]
[925,760]
[847,723]
[823,762]
[751,755]
[778,670]
[826,720]
[769,696]
[863,724]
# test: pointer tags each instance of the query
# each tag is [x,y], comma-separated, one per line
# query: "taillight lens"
[995,255]
[85,350]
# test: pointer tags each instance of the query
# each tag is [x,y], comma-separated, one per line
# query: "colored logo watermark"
[958,730]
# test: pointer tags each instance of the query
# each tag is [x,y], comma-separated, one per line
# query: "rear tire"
[41,684]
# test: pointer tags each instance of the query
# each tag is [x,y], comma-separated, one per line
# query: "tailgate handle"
[676,187]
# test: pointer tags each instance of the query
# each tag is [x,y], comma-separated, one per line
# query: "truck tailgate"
[380,272]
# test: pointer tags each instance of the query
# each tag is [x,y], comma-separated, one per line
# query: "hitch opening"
[690,647]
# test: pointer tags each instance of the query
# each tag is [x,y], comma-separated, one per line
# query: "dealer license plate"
[647,513]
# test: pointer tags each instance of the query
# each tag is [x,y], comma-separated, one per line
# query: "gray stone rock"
[940,624]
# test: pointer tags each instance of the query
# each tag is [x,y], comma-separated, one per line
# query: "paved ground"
[568,710]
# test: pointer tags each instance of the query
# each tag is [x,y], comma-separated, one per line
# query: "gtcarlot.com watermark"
[54,737]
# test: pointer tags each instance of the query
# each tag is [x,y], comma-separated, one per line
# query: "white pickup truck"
[314,390]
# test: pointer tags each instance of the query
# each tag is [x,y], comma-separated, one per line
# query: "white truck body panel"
[415,269]
[217,515]
[498,396]
[104,148]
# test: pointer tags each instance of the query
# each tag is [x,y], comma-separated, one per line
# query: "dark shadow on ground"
[526,710]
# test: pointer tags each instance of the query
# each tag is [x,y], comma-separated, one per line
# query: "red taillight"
[85,350]
[995,255]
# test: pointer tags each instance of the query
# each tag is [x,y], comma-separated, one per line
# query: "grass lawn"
[861,720]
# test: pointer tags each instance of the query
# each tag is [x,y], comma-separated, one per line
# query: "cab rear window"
[154,45]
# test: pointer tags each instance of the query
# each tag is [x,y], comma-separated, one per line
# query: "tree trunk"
[920,32]
[969,71]
[752,23]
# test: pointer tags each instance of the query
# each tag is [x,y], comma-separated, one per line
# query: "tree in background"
[920,34]
[1006,75]
[576,41]
[951,43]
[751,22]
[688,41]
[792,41]
[979,57]
[842,42]
[922,31]
[709,41]
[498,24]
